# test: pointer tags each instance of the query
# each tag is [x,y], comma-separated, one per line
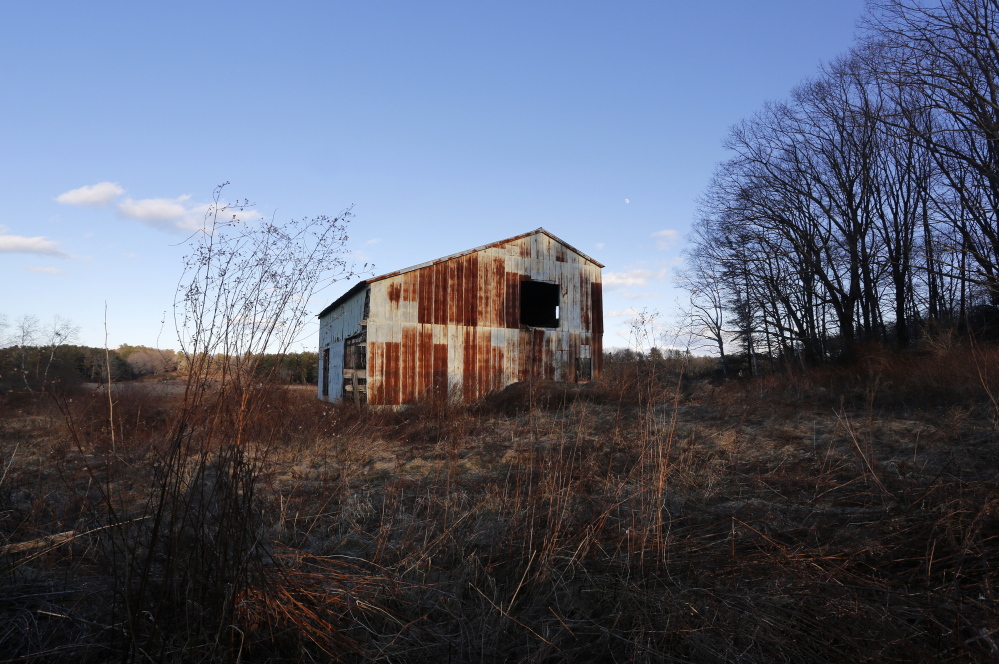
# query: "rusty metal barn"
[530,306]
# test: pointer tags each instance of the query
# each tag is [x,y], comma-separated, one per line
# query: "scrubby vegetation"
[34,368]
[844,514]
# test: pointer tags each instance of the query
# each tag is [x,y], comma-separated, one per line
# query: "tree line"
[864,206]
[33,368]
[36,355]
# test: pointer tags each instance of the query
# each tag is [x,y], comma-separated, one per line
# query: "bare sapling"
[197,548]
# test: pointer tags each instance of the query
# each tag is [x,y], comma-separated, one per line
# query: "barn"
[530,306]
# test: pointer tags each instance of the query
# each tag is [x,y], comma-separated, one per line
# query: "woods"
[35,368]
[864,206]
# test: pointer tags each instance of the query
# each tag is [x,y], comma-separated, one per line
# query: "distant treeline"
[33,367]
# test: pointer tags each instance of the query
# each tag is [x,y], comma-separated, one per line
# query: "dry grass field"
[844,515]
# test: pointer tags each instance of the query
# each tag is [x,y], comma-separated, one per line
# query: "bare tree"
[945,57]
[23,338]
[59,333]
[705,315]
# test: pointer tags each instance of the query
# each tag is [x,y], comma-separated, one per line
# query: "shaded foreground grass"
[848,514]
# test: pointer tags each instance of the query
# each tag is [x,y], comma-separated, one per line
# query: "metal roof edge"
[569,246]
[356,287]
[353,290]
[481,248]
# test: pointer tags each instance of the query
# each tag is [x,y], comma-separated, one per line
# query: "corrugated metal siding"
[455,324]
[339,324]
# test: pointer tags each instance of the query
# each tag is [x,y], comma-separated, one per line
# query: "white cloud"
[666,238]
[374,240]
[18,244]
[158,212]
[629,295]
[600,245]
[176,213]
[130,255]
[44,270]
[627,200]
[94,195]
[636,277]
[622,313]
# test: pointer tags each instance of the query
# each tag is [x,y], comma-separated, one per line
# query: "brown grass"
[848,514]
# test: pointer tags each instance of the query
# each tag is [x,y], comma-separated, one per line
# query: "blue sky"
[446,125]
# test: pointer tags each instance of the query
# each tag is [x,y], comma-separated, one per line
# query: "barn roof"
[360,285]
[343,298]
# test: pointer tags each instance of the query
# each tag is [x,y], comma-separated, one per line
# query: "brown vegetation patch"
[754,521]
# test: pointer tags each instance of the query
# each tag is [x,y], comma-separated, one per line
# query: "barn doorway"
[326,372]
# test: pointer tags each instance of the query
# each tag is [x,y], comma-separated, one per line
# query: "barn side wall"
[455,325]
[336,326]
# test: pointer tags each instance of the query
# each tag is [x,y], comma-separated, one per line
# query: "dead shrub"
[883,377]
[542,395]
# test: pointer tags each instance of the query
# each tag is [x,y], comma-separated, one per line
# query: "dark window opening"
[539,304]
[354,356]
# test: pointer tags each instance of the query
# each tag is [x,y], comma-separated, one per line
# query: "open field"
[846,515]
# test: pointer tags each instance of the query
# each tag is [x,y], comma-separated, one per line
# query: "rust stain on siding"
[536,344]
[425,302]
[408,369]
[411,286]
[469,365]
[471,290]
[425,357]
[512,304]
[391,377]
[483,361]
[440,384]
[597,307]
[394,292]
[597,353]
[456,277]
[495,293]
